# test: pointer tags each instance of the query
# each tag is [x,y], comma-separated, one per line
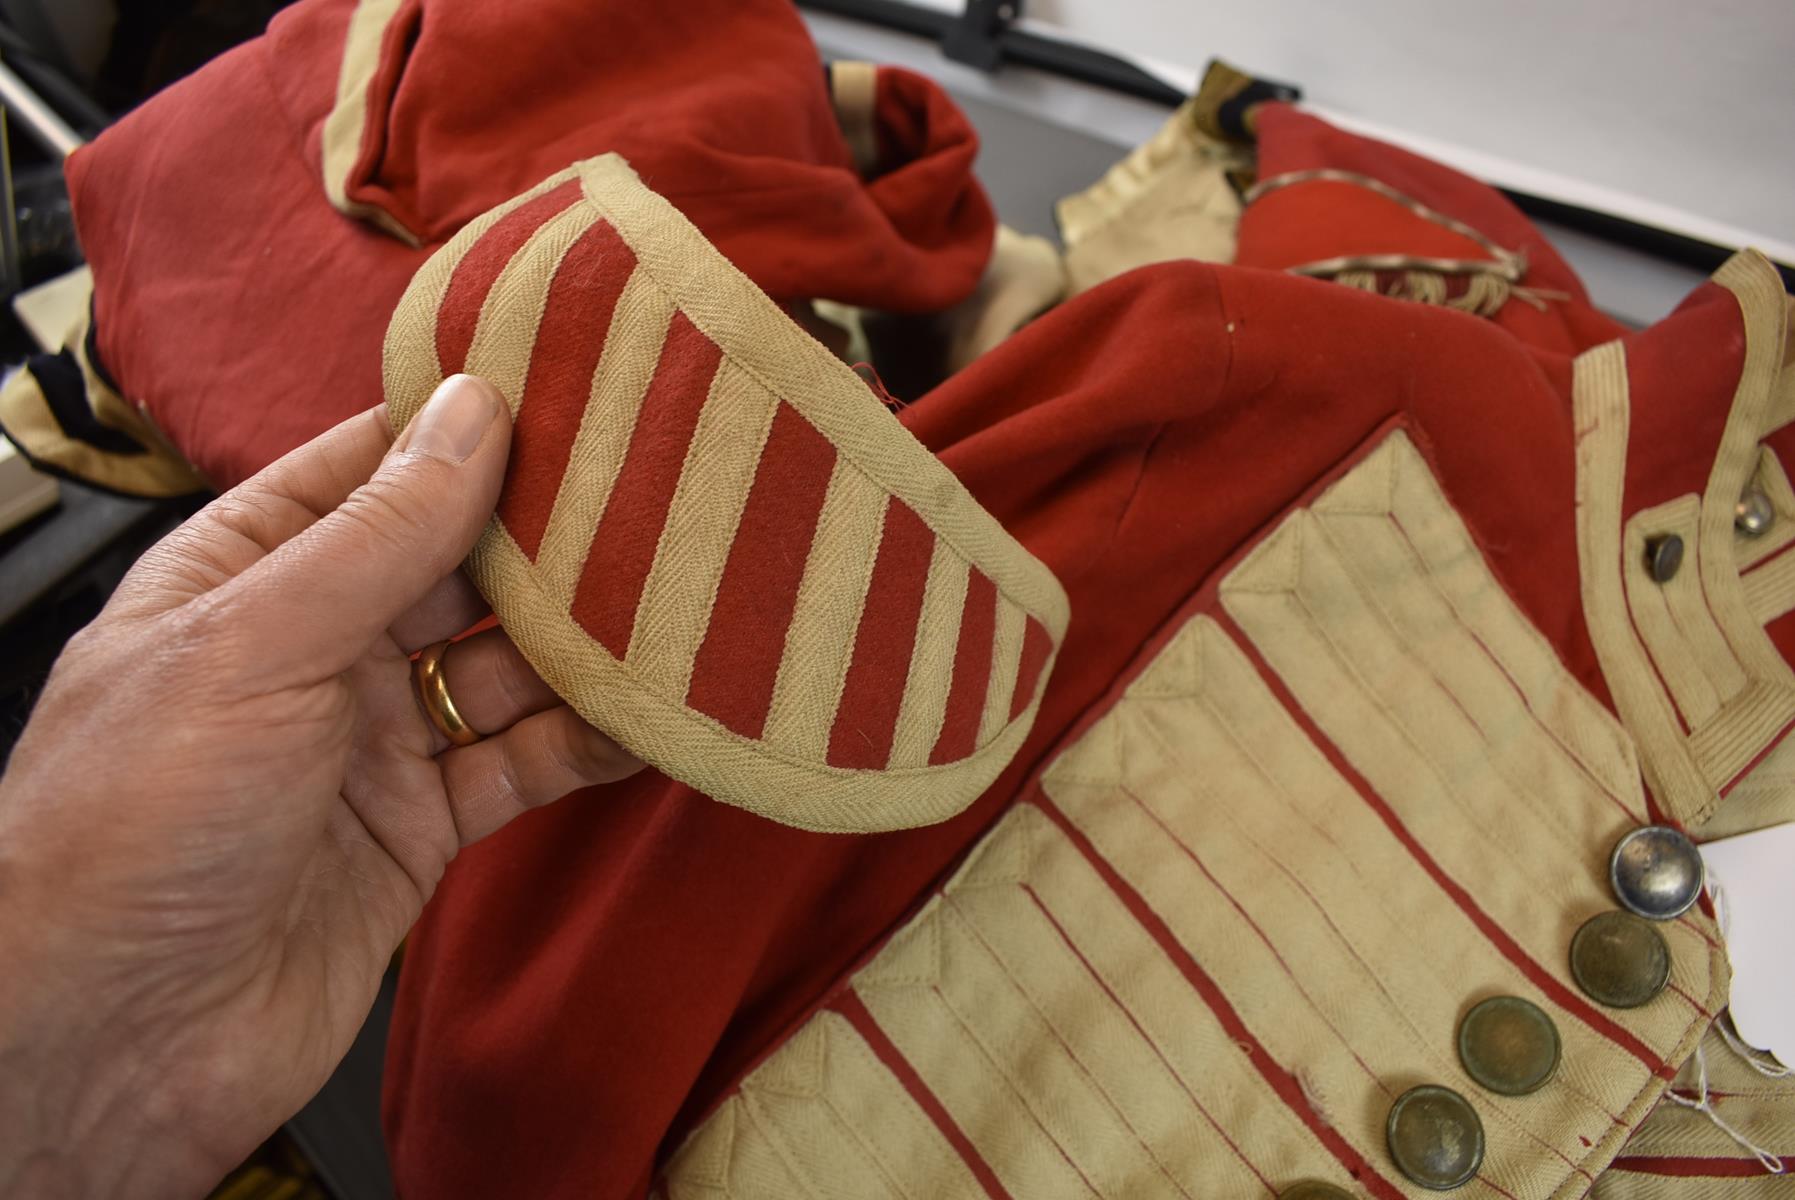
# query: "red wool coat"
[244,312]
[1360,684]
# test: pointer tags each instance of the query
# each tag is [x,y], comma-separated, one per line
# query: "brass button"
[1656,872]
[1663,555]
[1314,1189]
[1435,1137]
[1508,1045]
[1620,960]
[1754,514]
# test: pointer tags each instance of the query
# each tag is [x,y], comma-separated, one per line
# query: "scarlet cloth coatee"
[1370,670]
[714,541]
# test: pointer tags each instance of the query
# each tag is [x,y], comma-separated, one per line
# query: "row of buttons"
[1511,1047]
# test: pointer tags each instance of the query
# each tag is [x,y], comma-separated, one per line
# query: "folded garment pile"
[1248,649]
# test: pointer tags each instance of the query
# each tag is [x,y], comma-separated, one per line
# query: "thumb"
[319,599]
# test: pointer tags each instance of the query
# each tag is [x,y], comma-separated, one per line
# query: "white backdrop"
[1677,112]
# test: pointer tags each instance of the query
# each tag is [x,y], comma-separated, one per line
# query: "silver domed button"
[1656,872]
[1754,514]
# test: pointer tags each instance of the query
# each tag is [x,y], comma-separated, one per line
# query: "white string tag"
[1704,1104]
[1763,1064]
[1752,880]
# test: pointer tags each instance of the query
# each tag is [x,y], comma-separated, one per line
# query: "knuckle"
[248,520]
[561,749]
[202,641]
[558,761]
[516,680]
[511,782]
[389,515]
[586,754]
[204,626]
[87,643]
[242,512]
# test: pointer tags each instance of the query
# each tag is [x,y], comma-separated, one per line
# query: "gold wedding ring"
[433,694]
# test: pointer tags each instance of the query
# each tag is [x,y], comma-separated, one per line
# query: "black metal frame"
[1025,49]
[1106,70]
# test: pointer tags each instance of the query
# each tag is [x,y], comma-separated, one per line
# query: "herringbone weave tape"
[713,541]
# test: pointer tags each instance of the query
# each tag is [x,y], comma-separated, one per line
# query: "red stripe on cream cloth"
[1770,746]
[1546,725]
[1035,645]
[866,718]
[1682,723]
[1196,860]
[1122,1007]
[1643,817]
[1559,994]
[1000,1056]
[738,661]
[849,1005]
[1696,1168]
[1282,1081]
[569,341]
[622,551]
[972,672]
[459,314]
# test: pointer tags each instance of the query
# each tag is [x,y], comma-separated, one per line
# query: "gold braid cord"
[1489,283]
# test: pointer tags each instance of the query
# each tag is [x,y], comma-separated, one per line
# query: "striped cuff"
[713,542]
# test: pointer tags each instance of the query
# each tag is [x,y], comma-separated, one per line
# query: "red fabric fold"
[246,314]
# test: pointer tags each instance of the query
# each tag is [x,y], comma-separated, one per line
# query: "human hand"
[228,807]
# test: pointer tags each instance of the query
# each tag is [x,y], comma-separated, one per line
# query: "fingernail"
[454,419]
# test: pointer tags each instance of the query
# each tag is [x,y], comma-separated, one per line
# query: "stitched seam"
[1467,810]
[1374,602]
[1159,1051]
[869,1147]
[777,1145]
[1062,1038]
[1229,731]
[1402,1012]
[998,1066]
[1566,686]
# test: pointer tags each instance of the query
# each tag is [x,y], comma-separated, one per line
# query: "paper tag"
[1752,880]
